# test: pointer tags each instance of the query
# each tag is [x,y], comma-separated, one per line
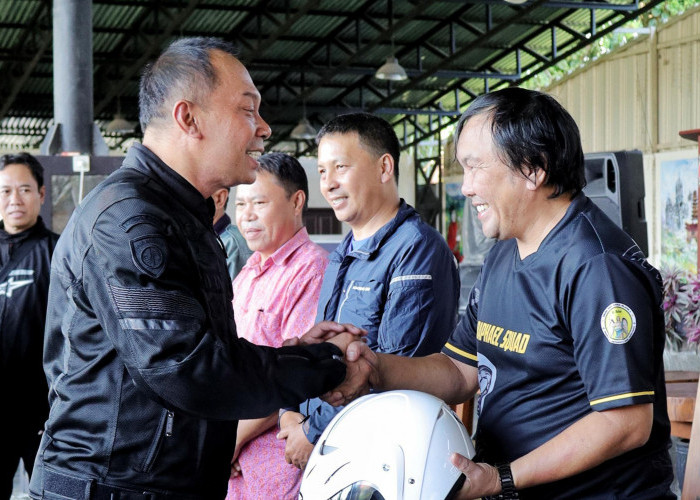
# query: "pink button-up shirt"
[277,300]
[272,302]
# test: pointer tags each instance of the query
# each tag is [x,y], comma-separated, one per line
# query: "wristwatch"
[508,491]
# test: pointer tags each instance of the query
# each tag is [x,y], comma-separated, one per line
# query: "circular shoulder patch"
[618,323]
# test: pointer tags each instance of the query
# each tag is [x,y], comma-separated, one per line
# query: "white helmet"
[393,445]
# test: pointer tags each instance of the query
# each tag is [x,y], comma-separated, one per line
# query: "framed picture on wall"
[678,205]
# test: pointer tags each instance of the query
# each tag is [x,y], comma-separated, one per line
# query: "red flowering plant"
[681,309]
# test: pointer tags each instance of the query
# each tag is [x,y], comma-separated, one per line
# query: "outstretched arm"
[597,437]
[437,374]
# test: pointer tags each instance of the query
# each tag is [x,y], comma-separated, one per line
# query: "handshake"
[362,364]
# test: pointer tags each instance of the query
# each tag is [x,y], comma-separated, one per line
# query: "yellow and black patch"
[618,323]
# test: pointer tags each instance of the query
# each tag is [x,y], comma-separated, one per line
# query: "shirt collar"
[283,253]
[140,158]
[373,243]
[22,235]
[222,224]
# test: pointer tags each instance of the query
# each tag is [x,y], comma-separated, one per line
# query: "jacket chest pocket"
[361,304]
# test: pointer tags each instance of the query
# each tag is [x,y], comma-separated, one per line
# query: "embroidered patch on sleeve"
[618,323]
[150,254]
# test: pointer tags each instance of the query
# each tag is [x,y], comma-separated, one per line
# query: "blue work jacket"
[401,285]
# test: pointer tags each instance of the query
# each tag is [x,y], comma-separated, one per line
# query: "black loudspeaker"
[615,182]
[427,203]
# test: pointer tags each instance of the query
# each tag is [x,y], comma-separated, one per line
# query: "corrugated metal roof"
[321,54]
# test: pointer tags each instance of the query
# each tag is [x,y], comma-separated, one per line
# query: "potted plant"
[681,307]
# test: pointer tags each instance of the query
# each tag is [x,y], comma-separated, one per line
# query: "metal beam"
[626,17]
[630,7]
[328,73]
[364,82]
[465,49]
[499,55]
[152,49]
[283,29]
[43,41]
[417,7]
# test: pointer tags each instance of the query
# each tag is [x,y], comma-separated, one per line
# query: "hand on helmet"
[481,479]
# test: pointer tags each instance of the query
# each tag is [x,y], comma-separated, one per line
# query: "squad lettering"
[509,341]
[515,341]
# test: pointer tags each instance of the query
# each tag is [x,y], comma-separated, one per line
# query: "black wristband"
[508,491]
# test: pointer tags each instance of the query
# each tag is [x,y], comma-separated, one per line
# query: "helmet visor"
[360,490]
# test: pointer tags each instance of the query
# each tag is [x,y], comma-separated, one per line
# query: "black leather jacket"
[146,373]
[25,260]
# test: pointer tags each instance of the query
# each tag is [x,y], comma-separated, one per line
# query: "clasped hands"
[351,341]
[361,363]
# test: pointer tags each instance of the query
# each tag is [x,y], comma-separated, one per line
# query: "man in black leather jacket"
[26,246]
[146,372]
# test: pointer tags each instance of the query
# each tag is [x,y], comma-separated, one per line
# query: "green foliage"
[656,16]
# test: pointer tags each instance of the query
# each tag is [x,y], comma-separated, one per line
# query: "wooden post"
[691,482]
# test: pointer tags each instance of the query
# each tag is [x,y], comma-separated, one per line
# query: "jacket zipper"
[165,429]
[347,294]
[169,424]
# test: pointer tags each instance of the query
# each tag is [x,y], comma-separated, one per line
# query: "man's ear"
[219,197]
[184,116]
[298,199]
[387,168]
[536,178]
[42,194]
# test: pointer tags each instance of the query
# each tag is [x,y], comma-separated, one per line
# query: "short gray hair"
[183,70]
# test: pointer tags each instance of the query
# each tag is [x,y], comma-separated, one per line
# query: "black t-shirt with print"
[575,327]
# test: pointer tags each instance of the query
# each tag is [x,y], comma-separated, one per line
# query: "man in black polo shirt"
[564,331]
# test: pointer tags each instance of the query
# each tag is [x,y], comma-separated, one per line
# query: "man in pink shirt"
[274,299]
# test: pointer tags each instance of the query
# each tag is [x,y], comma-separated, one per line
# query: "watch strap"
[508,491]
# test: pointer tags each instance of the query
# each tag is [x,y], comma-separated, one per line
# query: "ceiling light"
[119,125]
[303,130]
[391,70]
[517,2]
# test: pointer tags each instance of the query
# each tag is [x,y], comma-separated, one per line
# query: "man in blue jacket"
[237,251]
[393,275]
